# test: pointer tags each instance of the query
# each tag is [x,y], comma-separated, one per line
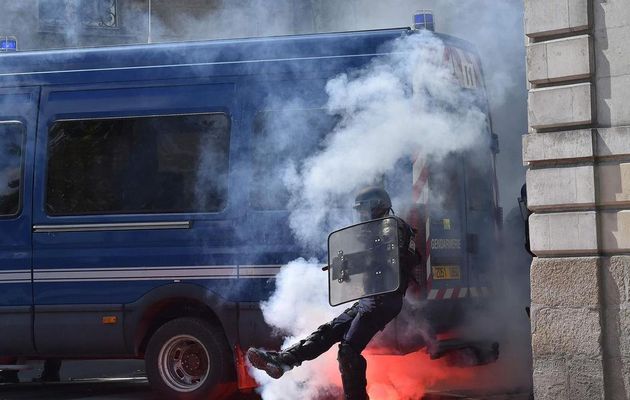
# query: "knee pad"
[323,332]
[312,346]
[352,311]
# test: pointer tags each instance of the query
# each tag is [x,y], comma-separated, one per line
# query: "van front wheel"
[186,358]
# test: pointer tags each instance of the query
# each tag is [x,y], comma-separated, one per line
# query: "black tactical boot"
[275,364]
[9,377]
[352,366]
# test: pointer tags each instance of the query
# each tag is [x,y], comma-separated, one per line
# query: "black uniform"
[353,328]
[357,325]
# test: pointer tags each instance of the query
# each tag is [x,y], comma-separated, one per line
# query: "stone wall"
[578,179]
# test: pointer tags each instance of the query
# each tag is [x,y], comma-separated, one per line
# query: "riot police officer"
[356,326]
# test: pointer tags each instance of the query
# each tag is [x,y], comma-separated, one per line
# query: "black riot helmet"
[372,202]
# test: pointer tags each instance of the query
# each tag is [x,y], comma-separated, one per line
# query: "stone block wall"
[577,152]
[560,106]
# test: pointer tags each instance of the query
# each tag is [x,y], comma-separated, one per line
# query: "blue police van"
[133,222]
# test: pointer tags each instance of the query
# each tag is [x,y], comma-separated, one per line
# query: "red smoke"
[409,377]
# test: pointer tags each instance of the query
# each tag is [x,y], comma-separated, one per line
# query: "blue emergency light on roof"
[8,43]
[423,20]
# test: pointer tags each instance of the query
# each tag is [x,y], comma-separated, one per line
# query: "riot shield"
[363,261]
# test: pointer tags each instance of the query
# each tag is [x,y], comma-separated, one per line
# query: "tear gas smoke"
[387,111]
[398,106]
[298,307]
[404,104]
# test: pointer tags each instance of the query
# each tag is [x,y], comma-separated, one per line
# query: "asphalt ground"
[91,389]
[125,380]
[138,389]
[133,389]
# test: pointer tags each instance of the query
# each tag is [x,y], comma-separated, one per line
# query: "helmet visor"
[368,210]
[362,214]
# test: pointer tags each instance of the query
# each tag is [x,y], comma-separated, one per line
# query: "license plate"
[447,272]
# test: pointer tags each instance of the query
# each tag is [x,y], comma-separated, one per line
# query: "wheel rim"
[184,363]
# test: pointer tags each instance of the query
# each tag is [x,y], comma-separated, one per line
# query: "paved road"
[102,389]
[138,389]
[124,380]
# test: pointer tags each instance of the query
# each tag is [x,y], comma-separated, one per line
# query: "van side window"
[161,164]
[11,165]
[282,140]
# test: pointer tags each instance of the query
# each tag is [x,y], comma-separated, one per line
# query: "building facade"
[49,24]
[56,24]
[577,152]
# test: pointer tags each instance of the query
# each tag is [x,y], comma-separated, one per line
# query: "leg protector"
[319,341]
[352,366]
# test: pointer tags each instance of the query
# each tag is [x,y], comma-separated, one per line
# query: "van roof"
[211,51]
[202,52]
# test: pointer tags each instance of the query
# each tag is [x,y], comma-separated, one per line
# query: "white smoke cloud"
[297,308]
[404,104]
[401,105]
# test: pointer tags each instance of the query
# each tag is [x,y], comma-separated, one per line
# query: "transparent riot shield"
[363,261]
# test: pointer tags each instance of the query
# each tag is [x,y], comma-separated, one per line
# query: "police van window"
[282,140]
[11,165]
[161,164]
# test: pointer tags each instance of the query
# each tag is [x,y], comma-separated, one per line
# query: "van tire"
[188,359]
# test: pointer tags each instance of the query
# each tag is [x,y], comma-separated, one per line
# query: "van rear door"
[449,269]
[17,138]
[481,225]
